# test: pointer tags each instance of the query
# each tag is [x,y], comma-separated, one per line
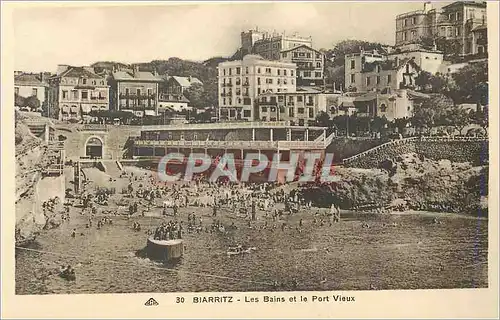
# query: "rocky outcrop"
[409,181]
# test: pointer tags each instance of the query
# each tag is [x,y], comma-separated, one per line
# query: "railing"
[135,96]
[94,127]
[408,14]
[301,145]
[227,84]
[137,107]
[219,125]
[454,138]
[208,144]
[246,84]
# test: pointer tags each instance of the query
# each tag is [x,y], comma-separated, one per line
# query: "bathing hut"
[164,250]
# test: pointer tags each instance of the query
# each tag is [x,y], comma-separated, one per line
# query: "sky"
[80,35]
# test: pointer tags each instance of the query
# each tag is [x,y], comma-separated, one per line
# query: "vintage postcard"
[250,159]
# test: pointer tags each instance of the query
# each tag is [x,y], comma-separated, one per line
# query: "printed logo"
[151,302]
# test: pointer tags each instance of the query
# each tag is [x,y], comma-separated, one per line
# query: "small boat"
[232,251]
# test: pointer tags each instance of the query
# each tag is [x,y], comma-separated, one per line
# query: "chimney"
[61,68]
[427,6]
[42,77]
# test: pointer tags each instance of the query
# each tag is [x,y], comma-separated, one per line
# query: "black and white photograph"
[250,147]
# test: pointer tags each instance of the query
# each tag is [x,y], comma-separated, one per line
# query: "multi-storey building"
[427,60]
[298,108]
[177,85]
[480,40]
[379,75]
[354,65]
[240,82]
[452,22]
[75,91]
[310,64]
[249,38]
[29,85]
[135,91]
[271,46]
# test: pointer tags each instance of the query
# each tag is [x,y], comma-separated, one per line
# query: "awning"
[346,104]
[150,113]
[86,108]
[417,95]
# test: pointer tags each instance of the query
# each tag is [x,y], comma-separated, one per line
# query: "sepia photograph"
[250,147]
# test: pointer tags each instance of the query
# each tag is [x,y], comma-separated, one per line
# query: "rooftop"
[187,81]
[29,79]
[78,72]
[135,76]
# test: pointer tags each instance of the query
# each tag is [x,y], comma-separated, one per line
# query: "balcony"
[137,107]
[246,84]
[135,96]
[226,94]
[227,84]
[238,83]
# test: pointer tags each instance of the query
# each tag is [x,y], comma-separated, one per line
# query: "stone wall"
[455,150]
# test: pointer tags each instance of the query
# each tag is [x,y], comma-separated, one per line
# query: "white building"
[240,82]
[29,84]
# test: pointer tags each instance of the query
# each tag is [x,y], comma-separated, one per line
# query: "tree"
[454,117]
[428,114]
[323,119]
[379,123]
[32,102]
[472,83]
[19,101]
[351,46]
[480,117]
[195,95]
[449,47]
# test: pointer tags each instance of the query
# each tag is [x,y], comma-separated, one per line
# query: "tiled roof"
[29,79]
[137,76]
[79,72]
[187,81]
[301,46]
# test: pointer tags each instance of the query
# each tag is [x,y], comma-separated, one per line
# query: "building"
[135,91]
[310,65]
[31,84]
[480,40]
[249,38]
[177,85]
[370,71]
[241,81]
[171,102]
[270,46]
[452,22]
[75,91]
[392,105]
[427,60]
[298,108]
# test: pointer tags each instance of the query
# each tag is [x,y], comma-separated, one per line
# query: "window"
[293,81]
[318,64]
[300,110]
[378,79]
[311,112]
[405,36]
[284,72]
[258,90]
[273,109]
[238,70]
[75,94]
[353,64]
[246,70]
[307,73]
[16,90]
[230,71]
[84,81]
[279,81]
[367,81]
[450,16]
[150,92]
[85,95]
[353,78]
[414,20]
[299,98]
[291,73]
[389,78]
[405,22]
[295,55]
[318,56]
[264,109]
[268,70]
[308,55]
[413,33]
[258,70]
[34,92]
[317,74]
[224,71]
[127,91]
[302,54]
[247,113]
[65,94]
[459,16]
[458,31]
[283,54]
[291,112]
[383,107]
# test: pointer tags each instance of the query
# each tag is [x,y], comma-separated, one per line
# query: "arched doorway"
[93,147]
